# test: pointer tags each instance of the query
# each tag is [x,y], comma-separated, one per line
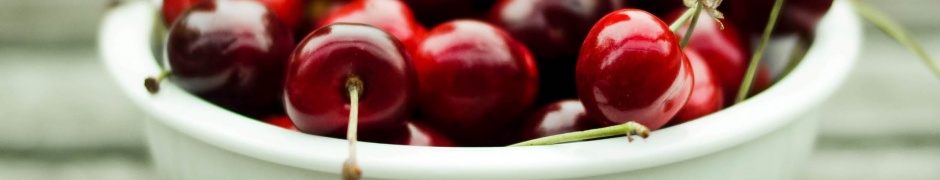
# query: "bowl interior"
[125,48]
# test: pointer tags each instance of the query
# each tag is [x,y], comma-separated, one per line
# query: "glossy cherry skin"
[557,118]
[289,12]
[392,16]
[474,80]
[707,96]
[795,16]
[723,51]
[315,91]
[553,30]
[423,135]
[281,121]
[231,53]
[631,69]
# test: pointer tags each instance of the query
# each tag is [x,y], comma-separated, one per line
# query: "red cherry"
[231,53]
[389,15]
[557,118]
[554,31]
[474,80]
[289,12]
[281,121]
[315,93]
[723,51]
[706,95]
[423,135]
[795,16]
[550,28]
[631,69]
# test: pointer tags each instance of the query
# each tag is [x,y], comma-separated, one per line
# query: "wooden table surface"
[64,118]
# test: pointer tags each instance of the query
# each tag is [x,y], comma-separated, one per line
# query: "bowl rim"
[124,47]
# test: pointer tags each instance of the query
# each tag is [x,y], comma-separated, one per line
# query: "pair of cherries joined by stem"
[706,91]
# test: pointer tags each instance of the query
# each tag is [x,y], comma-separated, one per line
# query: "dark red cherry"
[474,80]
[315,91]
[553,30]
[557,118]
[433,12]
[706,95]
[390,15]
[723,51]
[231,53]
[423,135]
[281,121]
[289,12]
[631,69]
[550,28]
[795,16]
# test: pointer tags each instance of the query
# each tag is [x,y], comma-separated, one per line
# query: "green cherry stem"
[688,32]
[153,83]
[629,129]
[896,31]
[755,59]
[674,27]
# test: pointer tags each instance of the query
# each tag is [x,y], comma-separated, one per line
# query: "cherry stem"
[674,27]
[153,83]
[755,59]
[896,31]
[629,129]
[350,167]
[688,32]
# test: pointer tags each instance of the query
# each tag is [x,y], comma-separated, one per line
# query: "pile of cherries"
[486,73]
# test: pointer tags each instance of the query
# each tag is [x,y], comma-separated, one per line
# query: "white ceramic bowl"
[766,137]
